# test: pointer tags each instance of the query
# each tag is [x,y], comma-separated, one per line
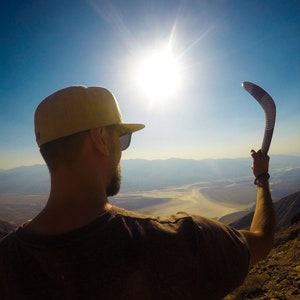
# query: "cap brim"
[131,127]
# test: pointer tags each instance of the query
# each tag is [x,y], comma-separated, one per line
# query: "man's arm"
[260,237]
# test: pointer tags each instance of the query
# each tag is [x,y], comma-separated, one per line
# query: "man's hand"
[260,163]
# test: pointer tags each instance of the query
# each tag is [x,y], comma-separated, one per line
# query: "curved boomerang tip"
[247,86]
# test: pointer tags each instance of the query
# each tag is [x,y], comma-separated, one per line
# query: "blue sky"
[48,45]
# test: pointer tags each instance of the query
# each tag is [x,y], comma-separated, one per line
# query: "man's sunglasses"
[125,140]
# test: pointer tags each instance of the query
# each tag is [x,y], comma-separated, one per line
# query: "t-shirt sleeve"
[197,257]
[222,255]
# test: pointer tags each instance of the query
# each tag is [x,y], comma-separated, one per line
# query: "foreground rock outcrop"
[278,276]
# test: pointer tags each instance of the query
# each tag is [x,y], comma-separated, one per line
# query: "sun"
[158,75]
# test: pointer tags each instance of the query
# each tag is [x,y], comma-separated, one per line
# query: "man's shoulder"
[136,216]
[180,223]
[179,217]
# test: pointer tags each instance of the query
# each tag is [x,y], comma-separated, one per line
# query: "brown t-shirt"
[125,255]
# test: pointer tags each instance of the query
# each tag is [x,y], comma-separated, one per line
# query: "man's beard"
[115,183]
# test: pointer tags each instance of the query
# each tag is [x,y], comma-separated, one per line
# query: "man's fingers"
[258,155]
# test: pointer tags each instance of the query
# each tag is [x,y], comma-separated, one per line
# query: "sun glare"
[159,76]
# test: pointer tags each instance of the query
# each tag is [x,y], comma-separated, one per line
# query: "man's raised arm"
[260,237]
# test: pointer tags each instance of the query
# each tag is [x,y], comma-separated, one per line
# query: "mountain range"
[210,187]
[142,175]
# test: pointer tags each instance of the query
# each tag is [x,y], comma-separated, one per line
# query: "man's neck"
[73,203]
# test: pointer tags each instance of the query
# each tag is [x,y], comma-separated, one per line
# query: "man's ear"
[99,140]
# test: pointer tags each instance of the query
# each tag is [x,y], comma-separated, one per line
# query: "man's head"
[64,120]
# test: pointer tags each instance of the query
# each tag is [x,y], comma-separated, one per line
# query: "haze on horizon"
[215,44]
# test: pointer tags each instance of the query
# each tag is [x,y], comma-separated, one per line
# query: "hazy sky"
[48,45]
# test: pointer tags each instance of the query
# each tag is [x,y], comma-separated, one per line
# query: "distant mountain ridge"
[210,187]
[25,180]
[142,175]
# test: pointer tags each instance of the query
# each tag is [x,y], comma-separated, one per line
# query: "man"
[82,247]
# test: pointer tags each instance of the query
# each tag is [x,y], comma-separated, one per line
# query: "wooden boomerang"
[268,105]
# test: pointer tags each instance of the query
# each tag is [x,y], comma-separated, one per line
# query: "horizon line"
[158,159]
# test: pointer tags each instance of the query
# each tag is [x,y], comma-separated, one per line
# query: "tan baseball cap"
[75,109]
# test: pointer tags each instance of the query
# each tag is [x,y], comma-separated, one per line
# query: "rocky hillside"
[278,276]
[287,209]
